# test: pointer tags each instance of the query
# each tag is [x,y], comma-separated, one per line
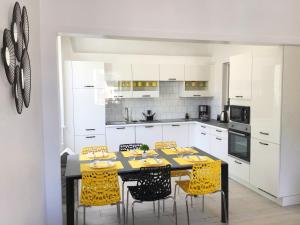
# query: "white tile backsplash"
[168,106]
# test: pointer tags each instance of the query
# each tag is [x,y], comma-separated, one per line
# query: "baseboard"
[290,200]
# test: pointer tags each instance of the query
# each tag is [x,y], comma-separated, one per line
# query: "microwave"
[240,114]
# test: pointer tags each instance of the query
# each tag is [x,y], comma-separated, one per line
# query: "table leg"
[225,190]
[70,200]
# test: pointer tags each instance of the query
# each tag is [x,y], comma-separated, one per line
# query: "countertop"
[211,122]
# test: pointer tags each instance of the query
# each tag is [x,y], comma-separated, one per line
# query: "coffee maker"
[204,112]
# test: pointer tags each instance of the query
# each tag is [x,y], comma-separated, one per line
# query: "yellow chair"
[171,144]
[204,179]
[86,150]
[99,188]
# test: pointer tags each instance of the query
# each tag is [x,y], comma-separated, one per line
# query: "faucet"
[127,114]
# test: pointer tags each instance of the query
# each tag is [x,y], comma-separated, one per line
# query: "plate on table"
[152,162]
[195,158]
[102,164]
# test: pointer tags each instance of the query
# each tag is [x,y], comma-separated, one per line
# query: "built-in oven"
[240,114]
[239,136]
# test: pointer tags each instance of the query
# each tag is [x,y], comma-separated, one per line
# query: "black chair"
[153,184]
[127,147]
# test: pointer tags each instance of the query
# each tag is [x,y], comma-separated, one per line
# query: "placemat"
[175,151]
[191,160]
[98,155]
[136,153]
[85,167]
[149,162]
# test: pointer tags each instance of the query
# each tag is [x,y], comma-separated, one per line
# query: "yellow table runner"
[86,167]
[98,155]
[174,151]
[147,163]
[192,160]
[136,153]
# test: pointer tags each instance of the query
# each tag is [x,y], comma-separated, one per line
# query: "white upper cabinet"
[264,167]
[197,72]
[145,72]
[88,74]
[171,72]
[89,111]
[118,71]
[266,95]
[240,76]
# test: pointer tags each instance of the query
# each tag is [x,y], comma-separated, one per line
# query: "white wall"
[22,193]
[232,20]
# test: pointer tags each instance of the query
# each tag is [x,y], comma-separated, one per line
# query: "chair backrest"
[100,187]
[206,178]
[154,183]
[132,146]
[86,150]
[165,144]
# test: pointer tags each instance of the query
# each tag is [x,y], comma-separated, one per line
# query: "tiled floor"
[246,207]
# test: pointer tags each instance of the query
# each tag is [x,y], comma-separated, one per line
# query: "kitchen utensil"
[149,116]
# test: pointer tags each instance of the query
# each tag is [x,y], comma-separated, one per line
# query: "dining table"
[73,174]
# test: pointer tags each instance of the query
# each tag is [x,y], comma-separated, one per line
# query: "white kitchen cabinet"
[219,146]
[171,72]
[115,136]
[266,95]
[148,134]
[118,71]
[197,72]
[264,168]
[192,134]
[88,74]
[89,111]
[202,137]
[145,72]
[240,76]
[145,94]
[239,169]
[194,89]
[176,132]
[88,141]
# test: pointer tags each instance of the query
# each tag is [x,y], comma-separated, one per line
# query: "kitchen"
[162,91]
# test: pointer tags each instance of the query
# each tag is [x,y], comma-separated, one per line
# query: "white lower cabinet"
[87,141]
[239,169]
[219,147]
[115,136]
[264,169]
[148,134]
[202,139]
[176,132]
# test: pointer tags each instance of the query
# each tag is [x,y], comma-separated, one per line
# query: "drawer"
[239,169]
[203,127]
[219,132]
[88,140]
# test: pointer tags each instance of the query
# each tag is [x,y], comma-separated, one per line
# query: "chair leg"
[187,209]
[132,210]
[202,203]
[174,207]
[154,207]
[83,215]
[163,206]
[123,200]
[191,201]
[225,207]
[174,197]
[158,208]
[76,216]
[179,188]
[127,206]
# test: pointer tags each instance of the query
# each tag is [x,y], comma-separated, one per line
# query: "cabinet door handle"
[90,129]
[219,131]
[149,126]
[220,139]
[239,96]
[172,79]
[120,96]
[146,96]
[237,162]
[203,133]
[203,126]
[120,128]
[262,143]
[115,96]
[175,125]
[197,95]
[90,136]
[89,86]
[264,133]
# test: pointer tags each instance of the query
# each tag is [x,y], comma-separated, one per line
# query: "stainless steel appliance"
[204,112]
[240,114]
[239,136]
[223,117]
